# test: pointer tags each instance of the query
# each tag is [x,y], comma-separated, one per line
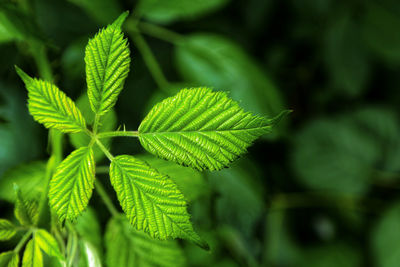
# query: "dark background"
[321,190]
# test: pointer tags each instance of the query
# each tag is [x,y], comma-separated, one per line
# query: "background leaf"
[9,259]
[32,255]
[7,230]
[46,242]
[26,210]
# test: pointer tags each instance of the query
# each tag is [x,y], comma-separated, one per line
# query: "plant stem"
[106,199]
[118,133]
[104,149]
[72,246]
[102,169]
[147,54]
[22,241]
[160,33]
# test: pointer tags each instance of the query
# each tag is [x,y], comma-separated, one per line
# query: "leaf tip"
[120,20]
[24,77]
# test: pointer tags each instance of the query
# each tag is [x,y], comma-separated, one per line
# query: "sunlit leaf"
[9,259]
[151,200]
[32,255]
[107,60]
[72,184]
[201,129]
[47,243]
[51,107]
[7,230]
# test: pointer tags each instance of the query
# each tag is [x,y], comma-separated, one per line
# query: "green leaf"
[151,200]
[9,259]
[384,238]
[26,211]
[106,123]
[72,184]
[29,178]
[88,227]
[107,60]
[128,247]
[189,181]
[7,230]
[48,244]
[32,256]
[174,10]
[51,107]
[89,255]
[216,62]
[201,129]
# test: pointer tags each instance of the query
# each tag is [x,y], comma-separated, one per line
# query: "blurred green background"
[322,190]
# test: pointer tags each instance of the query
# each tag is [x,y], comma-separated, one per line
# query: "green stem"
[104,149]
[104,196]
[102,169]
[118,133]
[96,123]
[161,33]
[72,246]
[147,54]
[23,240]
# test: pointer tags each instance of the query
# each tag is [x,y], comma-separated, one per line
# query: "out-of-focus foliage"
[323,192]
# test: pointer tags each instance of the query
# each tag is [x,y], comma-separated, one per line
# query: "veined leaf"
[126,246]
[52,107]
[47,243]
[7,230]
[72,184]
[201,129]
[9,259]
[107,60]
[26,211]
[151,200]
[32,256]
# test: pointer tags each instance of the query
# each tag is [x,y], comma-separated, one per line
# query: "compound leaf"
[201,129]
[151,200]
[47,243]
[52,107]
[72,184]
[107,59]
[9,259]
[127,247]
[26,211]
[7,230]
[32,255]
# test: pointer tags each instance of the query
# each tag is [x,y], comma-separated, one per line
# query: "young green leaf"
[151,201]
[107,60]
[48,243]
[52,107]
[26,211]
[32,255]
[9,259]
[201,128]
[7,230]
[71,186]
[127,247]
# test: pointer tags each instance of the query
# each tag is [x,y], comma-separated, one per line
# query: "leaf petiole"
[23,240]
[118,134]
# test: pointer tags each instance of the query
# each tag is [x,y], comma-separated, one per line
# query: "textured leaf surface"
[107,60]
[47,243]
[151,200]
[201,128]
[32,256]
[126,246]
[9,259]
[7,230]
[26,211]
[72,184]
[52,107]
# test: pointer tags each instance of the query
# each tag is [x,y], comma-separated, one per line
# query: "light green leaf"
[201,129]
[29,178]
[89,255]
[384,238]
[51,107]
[127,247]
[173,10]
[32,256]
[106,123]
[189,181]
[107,60]
[151,200]
[214,61]
[26,211]
[72,184]
[48,243]
[7,230]
[9,259]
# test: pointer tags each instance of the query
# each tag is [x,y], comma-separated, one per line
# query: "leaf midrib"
[207,131]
